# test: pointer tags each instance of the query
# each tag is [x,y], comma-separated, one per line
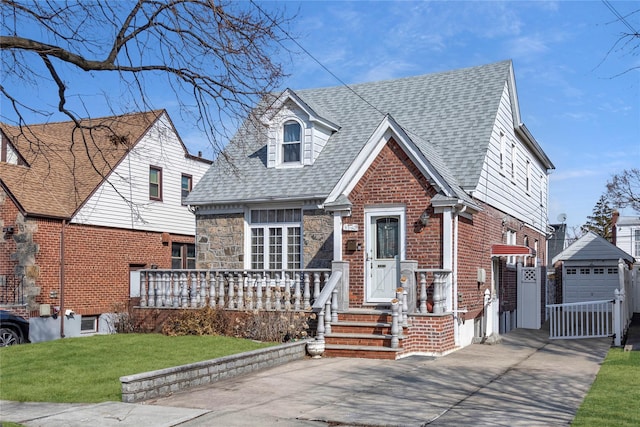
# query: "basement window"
[89,324]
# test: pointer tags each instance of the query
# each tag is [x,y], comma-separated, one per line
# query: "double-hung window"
[183,255]
[185,184]
[291,142]
[276,239]
[155,183]
[636,238]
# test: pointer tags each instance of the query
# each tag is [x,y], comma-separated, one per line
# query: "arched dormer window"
[291,142]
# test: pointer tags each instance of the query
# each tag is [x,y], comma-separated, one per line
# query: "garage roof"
[592,247]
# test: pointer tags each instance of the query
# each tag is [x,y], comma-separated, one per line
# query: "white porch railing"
[232,289]
[442,291]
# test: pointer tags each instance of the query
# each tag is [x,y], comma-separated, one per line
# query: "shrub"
[203,321]
[267,326]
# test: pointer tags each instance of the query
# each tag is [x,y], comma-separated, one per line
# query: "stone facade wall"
[318,239]
[18,253]
[220,241]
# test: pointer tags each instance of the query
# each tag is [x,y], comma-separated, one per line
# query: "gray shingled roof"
[448,115]
[592,247]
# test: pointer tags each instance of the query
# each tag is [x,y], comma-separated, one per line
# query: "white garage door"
[589,283]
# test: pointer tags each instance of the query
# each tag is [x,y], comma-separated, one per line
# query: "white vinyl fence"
[592,319]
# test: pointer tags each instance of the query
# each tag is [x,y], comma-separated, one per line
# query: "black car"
[13,329]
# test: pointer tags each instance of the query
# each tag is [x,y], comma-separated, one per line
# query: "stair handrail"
[322,304]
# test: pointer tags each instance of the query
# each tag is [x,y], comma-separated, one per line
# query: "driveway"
[526,380]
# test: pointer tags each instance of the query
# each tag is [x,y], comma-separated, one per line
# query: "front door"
[385,240]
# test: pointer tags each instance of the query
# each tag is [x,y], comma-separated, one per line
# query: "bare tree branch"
[624,189]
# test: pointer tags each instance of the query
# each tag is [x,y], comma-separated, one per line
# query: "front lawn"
[88,369]
[614,397]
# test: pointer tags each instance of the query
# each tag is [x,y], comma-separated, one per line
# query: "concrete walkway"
[525,380]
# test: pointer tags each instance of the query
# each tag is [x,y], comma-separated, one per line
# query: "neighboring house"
[435,174]
[627,235]
[84,207]
[588,269]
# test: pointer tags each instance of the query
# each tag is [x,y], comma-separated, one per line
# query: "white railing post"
[248,279]
[423,293]
[194,290]
[287,291]
[296,293]
[203,289]
[320,334]
[240,293]
[327,317]
[175,291]
[278,293]
[316,286]
[334,305]
[395,308]
[220,290]
[306,294]
[143,288]
[259,280]
[212,289]
[231,292]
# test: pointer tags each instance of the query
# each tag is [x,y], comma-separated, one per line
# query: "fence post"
[617,319]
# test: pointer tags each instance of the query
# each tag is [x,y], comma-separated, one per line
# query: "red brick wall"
[394,179]
[429,334]
[97,261]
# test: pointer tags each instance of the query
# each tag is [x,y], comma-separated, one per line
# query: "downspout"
[62,263]
[454,273]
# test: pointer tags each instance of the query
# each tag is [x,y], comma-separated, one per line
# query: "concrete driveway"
[526,380]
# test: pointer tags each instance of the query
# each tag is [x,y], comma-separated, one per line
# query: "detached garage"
[590,269]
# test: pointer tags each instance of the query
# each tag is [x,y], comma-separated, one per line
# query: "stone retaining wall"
[163,382]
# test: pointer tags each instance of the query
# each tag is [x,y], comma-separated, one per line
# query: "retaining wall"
[163,382]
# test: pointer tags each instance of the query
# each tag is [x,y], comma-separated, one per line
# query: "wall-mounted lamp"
[424,218]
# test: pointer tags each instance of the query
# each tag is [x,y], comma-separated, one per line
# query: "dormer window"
[291,142]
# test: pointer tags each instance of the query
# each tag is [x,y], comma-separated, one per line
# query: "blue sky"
[574,99]
[576,93]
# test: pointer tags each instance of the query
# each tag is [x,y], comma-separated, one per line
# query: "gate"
[529,297]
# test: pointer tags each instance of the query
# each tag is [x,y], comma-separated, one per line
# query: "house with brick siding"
[427,190]
[84,206]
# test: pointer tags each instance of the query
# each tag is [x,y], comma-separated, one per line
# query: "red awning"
[511,250]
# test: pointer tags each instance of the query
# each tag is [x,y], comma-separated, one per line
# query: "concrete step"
[360,339]
[358,351]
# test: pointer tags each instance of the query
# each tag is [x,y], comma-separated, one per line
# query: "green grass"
[614,397]
[88,369]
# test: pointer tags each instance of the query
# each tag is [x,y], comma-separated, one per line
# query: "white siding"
[625,239]
[498,187]
[314,136]
[123,201]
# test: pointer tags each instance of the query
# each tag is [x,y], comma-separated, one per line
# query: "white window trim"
[280,163]
[390,211]
[248,226]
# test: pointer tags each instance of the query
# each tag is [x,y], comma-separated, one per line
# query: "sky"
[578,91]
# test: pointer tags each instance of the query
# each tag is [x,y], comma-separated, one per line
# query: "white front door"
[385,248]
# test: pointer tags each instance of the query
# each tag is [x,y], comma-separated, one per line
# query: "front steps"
[363,334]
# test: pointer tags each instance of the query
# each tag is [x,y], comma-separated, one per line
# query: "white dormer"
[297,134]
